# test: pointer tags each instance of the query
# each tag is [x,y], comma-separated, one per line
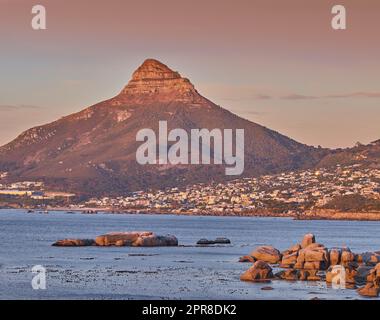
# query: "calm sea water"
[184,272]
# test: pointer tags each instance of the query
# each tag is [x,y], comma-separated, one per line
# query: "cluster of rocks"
[312,261]
[122,239]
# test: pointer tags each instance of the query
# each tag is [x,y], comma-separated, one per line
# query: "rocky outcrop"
[216,241]
[135,239]
[312,261]
[260,271]
[74,243]
[268,254]
[122,239]
[153,81]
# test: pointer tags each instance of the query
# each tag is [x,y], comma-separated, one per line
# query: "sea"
[184,272]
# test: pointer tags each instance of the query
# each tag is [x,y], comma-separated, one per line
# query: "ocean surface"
[184,272]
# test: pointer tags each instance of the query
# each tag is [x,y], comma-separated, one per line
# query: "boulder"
[374,274]
[136,239]
[307,240]
[260,271]
[362,273]
[335,254]
[247,259]
[289,274]
[347,257]
[309,275]
[315,256]
[351,273]
[358,258]
[370,258]
[315,246]
[128,238]
[315,265]
[154,240]
[268,254]
[369,290]
[292,249]
[74,243]
[289,260]
[294,274]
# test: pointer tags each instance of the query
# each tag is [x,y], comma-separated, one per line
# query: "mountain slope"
[94,150]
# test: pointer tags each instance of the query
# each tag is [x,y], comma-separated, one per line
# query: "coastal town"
[286,194]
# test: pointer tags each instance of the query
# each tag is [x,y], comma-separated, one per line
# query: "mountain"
[365,155]
[94,151]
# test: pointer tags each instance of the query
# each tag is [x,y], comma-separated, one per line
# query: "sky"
[277,63]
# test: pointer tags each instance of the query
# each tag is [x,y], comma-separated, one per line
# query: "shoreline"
[320,214]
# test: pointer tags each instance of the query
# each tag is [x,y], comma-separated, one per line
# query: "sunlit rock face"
[155,82]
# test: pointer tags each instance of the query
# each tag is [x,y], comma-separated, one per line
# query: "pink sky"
[278,63]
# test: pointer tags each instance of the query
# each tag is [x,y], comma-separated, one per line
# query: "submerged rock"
[369,290]
[260,271]
[74,243]
[302,275]
[216,241]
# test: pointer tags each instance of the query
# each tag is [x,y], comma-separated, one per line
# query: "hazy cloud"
[356,94]
[295,96]
[5,107]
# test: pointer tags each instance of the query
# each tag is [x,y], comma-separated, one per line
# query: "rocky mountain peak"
[153,69]
[153,81]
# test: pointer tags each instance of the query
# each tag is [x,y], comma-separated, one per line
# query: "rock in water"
[154,240]
[136,239]
[268,254]
[74,243]
[361,277]
[216,241]
[260,271]
[247,259]
[111,239]
[369,290]
[370,258]
[222,241]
